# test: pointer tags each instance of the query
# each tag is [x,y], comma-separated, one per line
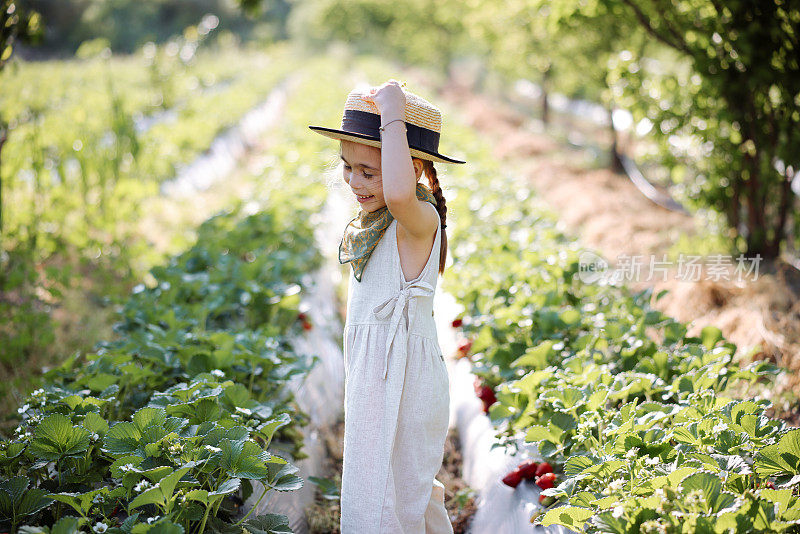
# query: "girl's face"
[361,165]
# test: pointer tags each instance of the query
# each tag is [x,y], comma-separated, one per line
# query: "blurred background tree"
[732,87]
[16,25]
[715,85]
[128,24]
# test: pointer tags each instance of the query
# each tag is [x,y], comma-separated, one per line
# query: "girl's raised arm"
[399,173]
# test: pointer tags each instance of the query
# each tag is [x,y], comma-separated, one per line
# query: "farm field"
[172,304]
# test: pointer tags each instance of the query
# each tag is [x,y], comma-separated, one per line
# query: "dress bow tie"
[395,307]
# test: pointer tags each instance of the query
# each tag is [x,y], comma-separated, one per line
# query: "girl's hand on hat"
[389,98]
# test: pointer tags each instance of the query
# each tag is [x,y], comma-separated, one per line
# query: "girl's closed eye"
[366,175]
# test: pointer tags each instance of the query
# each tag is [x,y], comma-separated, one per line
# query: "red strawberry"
[769,484]
[513,478]
[546,500]
[457,322]
[546,480]
[487,396]
[306,325]
[463,347]
[528,468]
[301,316]
[485,393]
[543,468]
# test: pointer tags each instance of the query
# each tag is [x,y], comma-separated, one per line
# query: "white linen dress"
[397,399]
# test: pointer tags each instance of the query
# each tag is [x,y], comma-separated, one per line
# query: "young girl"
[396,384]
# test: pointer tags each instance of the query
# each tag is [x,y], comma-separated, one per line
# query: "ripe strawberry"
[485,393]
[543,468]
[306,325]
[488,398]
[458,322]
[513,478]
[769,484]
[301,316]
[464,345]
[546,480]
[528,468]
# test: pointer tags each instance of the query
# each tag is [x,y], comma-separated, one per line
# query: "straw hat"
[361,120]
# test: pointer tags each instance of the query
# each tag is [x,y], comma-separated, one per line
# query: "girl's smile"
[365,181]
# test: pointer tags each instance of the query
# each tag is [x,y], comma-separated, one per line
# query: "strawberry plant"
[84,176]
[647,426]
[174,423]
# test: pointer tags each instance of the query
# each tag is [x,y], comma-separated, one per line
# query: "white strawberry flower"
[141,486]
[127,468]
[719,427]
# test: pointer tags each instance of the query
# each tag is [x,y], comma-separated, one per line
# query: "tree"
[740,101]
[15,25]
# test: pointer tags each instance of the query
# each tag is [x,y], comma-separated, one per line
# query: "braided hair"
[441,207]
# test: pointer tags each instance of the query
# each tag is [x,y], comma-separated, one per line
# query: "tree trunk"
[545,89]
[616,161]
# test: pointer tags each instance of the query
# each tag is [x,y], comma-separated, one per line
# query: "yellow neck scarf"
[364,232]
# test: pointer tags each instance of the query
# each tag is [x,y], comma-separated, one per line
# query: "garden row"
[89,133]
[645,426]
[89,141]
[168,427]
[174,425]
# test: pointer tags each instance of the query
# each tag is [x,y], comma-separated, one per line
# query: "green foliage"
[721,102]
[16,23]
[126,24]
[640,417]
[167,425]
[72,181]
[411,30]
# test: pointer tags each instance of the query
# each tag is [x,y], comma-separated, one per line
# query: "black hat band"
[362,122]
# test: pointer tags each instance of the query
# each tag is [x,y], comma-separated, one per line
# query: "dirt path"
[609,214]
